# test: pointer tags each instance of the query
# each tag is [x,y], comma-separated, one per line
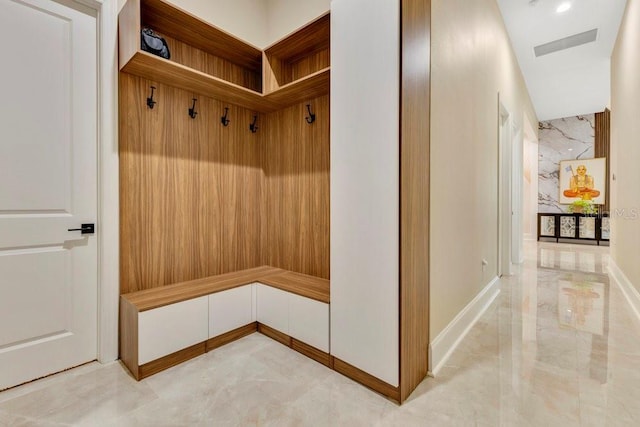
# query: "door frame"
[504,217]
[108,178]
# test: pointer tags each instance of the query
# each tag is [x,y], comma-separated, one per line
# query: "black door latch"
[86,229]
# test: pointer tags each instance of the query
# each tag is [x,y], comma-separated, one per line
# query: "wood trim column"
[414,193]
[602,148]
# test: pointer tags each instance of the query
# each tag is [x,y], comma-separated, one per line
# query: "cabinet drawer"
[167,329]
[273,308]
[309,321]
[230,309]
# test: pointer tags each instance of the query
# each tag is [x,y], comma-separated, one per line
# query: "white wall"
[285,16]
[245,19]
[472,60]
[365,185]
[625,150]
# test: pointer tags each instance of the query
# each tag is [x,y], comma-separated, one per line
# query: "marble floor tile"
[558,347]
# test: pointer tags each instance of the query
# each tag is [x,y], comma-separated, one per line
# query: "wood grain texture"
[129,337]
[309,38]
[236,334]
[177,75]
[298,55]
[270,71]
[282,338]
[149,299]
[190,190]
[306,88]
[212,65]
[177,23]
[128,31]
[414,194]
[295,212]
[171,360]
[366,379]
[299,284]
[191,79]
[602,148]
[311,352]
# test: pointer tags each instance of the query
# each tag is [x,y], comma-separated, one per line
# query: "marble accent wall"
[569,138]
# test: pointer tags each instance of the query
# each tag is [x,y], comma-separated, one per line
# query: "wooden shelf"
[298,55]
[311,86]
[299,284]
[201,39]
[177,23]
[158,69]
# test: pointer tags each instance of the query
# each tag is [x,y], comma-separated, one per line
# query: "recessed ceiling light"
[570,149]
[563,7]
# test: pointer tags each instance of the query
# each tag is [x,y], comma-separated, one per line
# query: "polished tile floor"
[559,347]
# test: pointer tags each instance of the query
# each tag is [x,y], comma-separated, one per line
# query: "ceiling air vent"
[566,43]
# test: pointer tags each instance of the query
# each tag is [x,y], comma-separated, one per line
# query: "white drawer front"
[309,321]
[165,330]
[254,302]
[230,309]
[273,308]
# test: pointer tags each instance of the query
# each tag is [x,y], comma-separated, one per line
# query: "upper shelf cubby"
[209,61]
[298,55]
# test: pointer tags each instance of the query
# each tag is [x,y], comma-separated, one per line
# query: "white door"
[48,275]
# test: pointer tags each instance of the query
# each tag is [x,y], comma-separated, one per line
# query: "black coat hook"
[311,117]
[253,126]
[223,119]
[192,111]
[150,101]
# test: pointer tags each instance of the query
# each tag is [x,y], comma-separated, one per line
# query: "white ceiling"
[573,81]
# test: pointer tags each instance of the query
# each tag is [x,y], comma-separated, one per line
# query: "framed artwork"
[583,180]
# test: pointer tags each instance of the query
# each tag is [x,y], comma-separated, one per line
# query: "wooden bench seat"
[164,326]
[300,284]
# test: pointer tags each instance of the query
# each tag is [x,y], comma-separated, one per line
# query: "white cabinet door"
[254,302]
[230,309]
[167,329]
[273,308]
[309,321]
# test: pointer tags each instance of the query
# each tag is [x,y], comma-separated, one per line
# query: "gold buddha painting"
[583,180]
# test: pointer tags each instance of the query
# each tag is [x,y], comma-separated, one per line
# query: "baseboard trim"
[236,334]
[446,342]
[630,292]
[170,360]
[366,379]
[312,352]
[274,334]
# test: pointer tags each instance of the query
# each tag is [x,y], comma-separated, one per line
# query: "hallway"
[559,347]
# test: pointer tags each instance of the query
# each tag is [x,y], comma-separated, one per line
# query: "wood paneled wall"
[213,65]
[602,147]
[295,219]
[190,189]
[199,199]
